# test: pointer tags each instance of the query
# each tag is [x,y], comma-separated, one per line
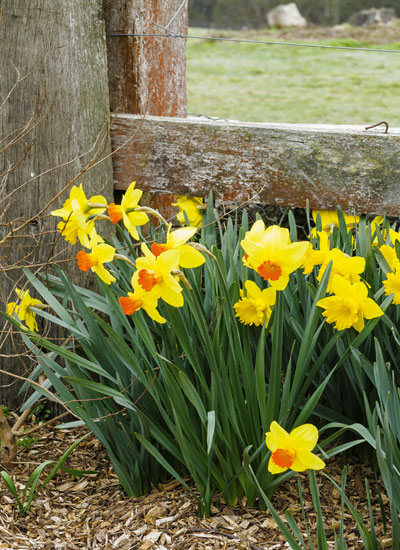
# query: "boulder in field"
[286,15]
[374,16]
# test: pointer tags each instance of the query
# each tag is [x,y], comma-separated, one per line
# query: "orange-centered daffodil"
[176,240]
[101,253]
[127,211]
[272,254]
[154,274]
[292,450]
[140,299]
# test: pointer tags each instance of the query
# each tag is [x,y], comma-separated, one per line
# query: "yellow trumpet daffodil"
[348,267]
[127,211]
[392,284]
[273,255]
[22,309]
[329,220]
[76,211]
[255,308]
[292,450]
[176,240]
[154,274]
[349,305]
[189,205]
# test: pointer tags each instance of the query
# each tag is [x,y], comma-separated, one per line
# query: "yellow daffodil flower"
[101,253]
[347,267]
[389,253]
[75,213]
[392,284]
[349,305]
[127,211]
[274,257]
[292,450]
[22,309]
[189,205]
[255,308]
[154,274]
[140,299]
[176,240]
[316,257]
[329,220]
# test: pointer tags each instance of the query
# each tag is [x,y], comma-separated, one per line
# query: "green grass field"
[253,82]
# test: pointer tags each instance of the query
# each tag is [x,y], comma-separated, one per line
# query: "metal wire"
[171,34]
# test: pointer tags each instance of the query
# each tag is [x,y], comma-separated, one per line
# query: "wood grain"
[280,164]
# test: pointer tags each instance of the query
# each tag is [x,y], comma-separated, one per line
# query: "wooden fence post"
[147,75]
[55,113]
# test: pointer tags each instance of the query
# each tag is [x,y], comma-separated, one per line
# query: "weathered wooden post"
[147,74]
[54,111]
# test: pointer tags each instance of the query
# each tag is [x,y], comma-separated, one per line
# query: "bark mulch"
[92,512]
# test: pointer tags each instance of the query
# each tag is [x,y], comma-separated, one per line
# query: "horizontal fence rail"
[277,164]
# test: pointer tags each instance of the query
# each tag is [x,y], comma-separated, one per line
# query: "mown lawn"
[256,82]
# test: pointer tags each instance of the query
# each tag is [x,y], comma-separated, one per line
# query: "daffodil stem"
[182,277]
[155,213]
[124,259]
[96,205]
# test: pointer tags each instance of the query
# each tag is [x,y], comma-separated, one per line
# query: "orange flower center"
[270,270]
[129,304]
[148,279]
[158,249]
[85,260]
[115,212]
[283,458]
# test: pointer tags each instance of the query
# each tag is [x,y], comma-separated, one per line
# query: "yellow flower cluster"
[157,272]
[270,253]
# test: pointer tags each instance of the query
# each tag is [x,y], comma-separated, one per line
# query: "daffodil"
[392,284]
[127,211]
[330,220]
[192,208]
[273,255]
[140,299]
[349,305]
[316,257]
[349,267]
[78,214]
[22,309]
[101,253]
[155,274]
[255,308]
[176,240]
[389,253]
[292,450]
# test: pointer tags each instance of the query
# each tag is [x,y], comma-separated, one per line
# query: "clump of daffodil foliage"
[213,341]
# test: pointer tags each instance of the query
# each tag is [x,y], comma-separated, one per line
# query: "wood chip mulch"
[92,512]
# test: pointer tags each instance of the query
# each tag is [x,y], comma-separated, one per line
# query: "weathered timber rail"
[282,164]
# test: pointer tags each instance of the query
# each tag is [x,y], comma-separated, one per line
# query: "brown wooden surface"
[279,164]
[147,75]
[62,44]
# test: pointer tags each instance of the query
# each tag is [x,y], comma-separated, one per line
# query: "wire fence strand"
[171,34]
